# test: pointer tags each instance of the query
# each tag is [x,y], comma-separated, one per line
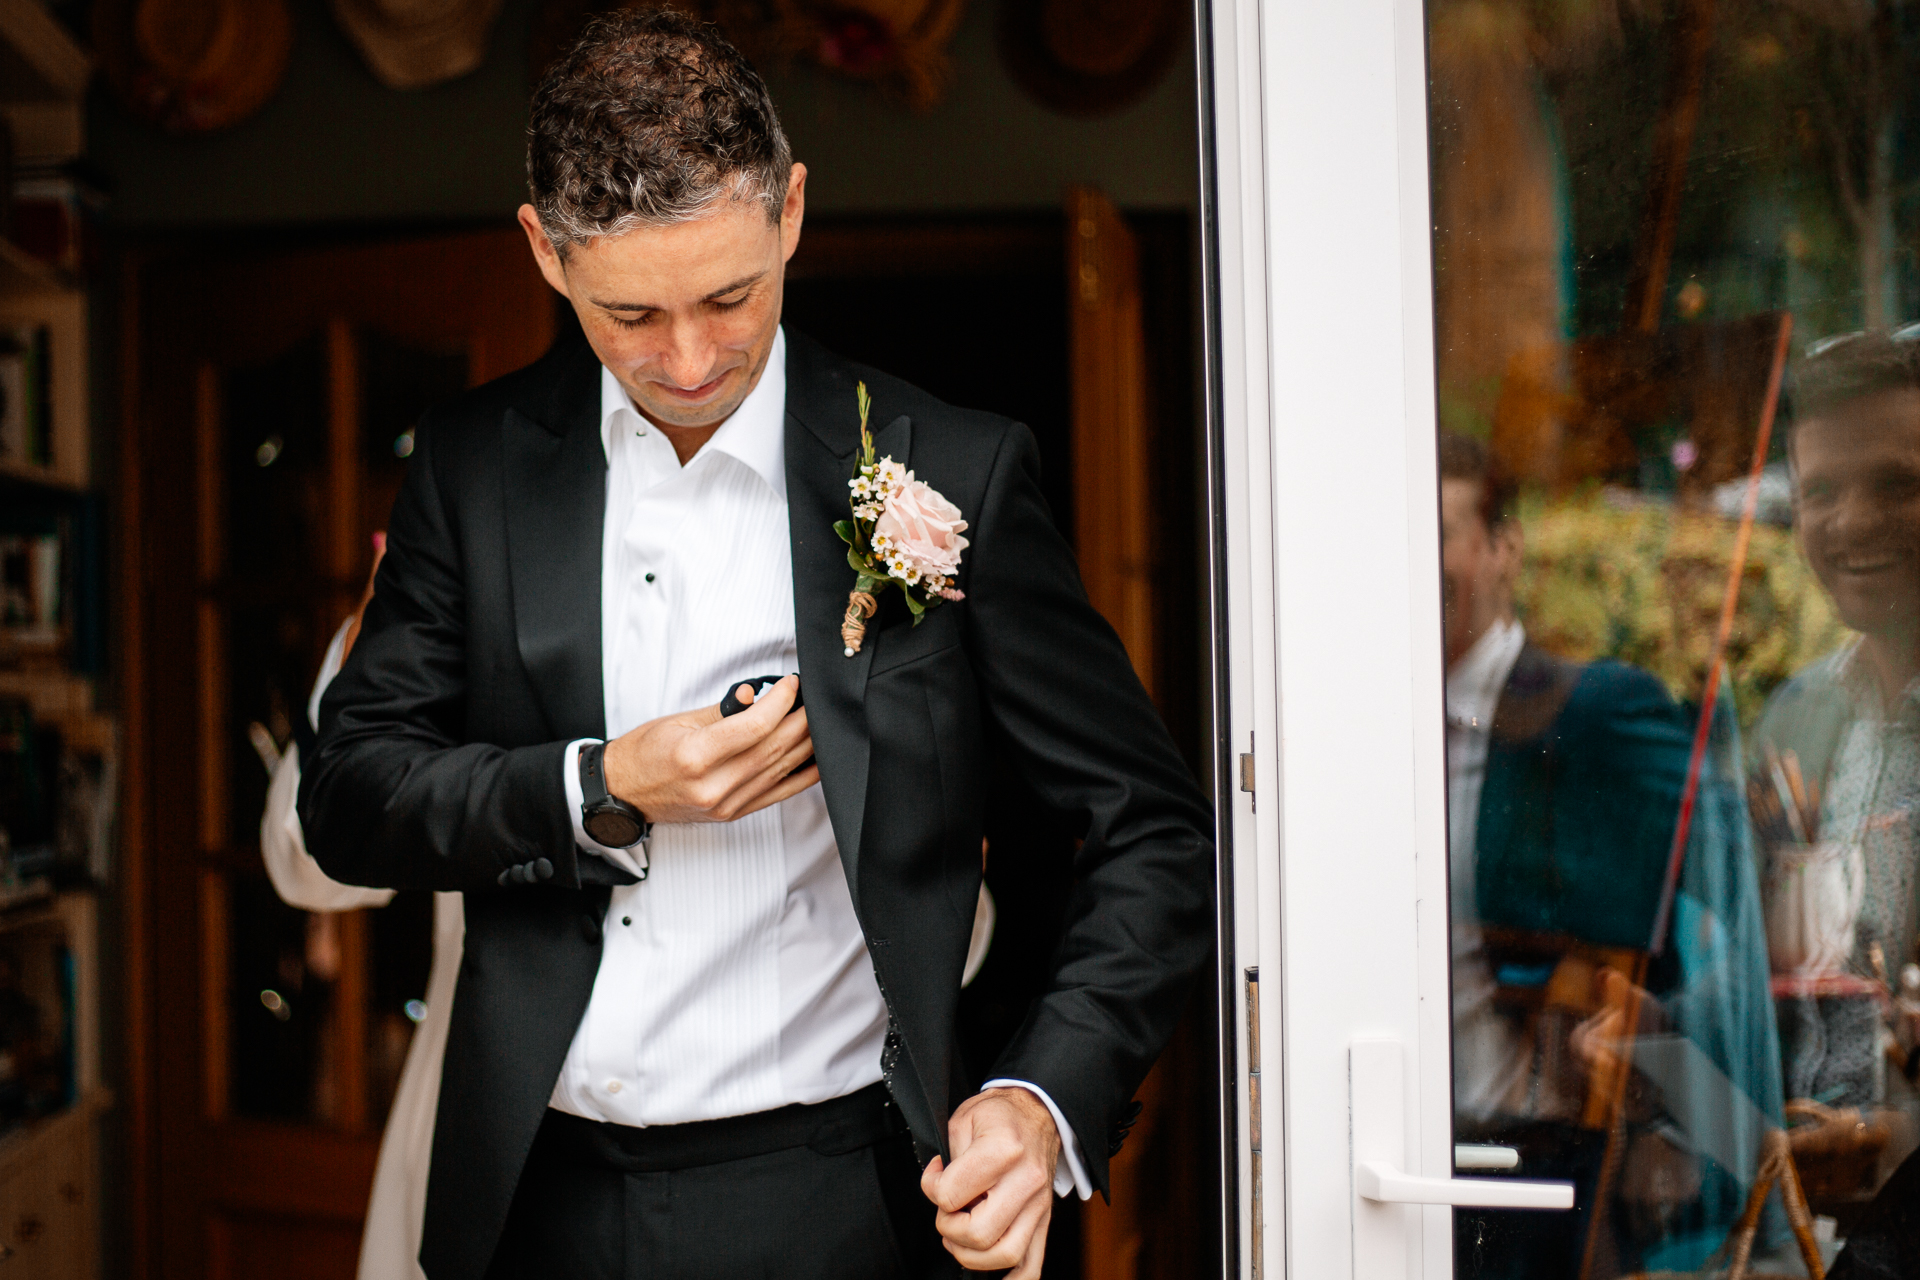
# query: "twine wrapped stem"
[853,627]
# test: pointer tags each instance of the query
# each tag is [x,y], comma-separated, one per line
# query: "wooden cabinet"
[270,401]
[49,1200]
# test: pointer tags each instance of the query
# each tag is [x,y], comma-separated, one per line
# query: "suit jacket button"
[503,877]
[542,869]
[590,929]
[519,873]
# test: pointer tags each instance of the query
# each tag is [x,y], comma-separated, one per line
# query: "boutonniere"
[903,534]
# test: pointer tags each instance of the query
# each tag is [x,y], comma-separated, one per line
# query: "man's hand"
[1598,1042]
[996,1199]
[697,766]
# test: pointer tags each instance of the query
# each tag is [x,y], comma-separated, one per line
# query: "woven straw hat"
[1090,57]
[193,66]
[411,44]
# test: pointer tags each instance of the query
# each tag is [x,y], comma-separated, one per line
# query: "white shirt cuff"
[1069,1175]
[329,668]
[570,770]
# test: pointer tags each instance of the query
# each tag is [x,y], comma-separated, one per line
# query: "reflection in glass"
[1682,646]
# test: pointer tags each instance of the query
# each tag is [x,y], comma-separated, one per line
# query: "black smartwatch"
[610,820]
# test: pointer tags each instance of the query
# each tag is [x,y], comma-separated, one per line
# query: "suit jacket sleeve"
[395,796]
[1059,686]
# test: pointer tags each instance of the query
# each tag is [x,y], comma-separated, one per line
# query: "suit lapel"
[823,432]
[556,500]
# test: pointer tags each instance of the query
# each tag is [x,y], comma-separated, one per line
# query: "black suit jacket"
[439,761]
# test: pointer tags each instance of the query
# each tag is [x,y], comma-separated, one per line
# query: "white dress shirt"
[735,977]
[1489,1058]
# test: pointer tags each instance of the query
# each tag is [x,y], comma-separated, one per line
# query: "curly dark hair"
[1467,458]
[651,118]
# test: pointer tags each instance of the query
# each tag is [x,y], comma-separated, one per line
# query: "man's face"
[684,315]
[1857,481]
[1478,566]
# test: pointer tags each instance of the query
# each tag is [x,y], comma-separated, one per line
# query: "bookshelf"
[43,312]
[57,750]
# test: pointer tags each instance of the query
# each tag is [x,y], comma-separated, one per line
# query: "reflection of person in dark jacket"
[1564,783]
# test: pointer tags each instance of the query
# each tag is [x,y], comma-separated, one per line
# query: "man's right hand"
[697,766]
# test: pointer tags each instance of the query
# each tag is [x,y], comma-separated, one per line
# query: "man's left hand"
[995,1200]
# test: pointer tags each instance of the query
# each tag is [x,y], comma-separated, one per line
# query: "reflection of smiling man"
[1856,461]
[1853,719]
[705,1021]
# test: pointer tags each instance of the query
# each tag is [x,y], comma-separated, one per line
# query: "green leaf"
[865,403]
[919,610]
[871,585]
[862,565]
[845,529]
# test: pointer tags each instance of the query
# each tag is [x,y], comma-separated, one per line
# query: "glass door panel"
[318,1007]
[1678,405]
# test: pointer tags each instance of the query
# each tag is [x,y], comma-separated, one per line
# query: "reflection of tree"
[1606,578]
[1848,60]
[1500,297]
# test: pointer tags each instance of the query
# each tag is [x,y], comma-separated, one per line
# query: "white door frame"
[1334,879]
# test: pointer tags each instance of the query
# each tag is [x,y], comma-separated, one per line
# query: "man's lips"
[694,395]
[1864,563]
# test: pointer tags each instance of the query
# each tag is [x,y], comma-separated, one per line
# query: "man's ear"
[794,212]
[1511,545]
[544,253]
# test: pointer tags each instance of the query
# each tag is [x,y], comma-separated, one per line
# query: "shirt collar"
[1856,676]
[754,435]
[1474,684]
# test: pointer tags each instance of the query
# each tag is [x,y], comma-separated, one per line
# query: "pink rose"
[921,529]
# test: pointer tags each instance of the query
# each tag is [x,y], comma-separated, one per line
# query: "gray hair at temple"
[1837,371]
[651,118]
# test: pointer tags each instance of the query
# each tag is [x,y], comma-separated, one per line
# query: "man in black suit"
[705,1022]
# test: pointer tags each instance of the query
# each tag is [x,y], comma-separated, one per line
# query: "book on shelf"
[26,401]
[38,1015]
[55,211]
[31,586]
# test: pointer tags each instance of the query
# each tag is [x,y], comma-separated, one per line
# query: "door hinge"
[1246,769]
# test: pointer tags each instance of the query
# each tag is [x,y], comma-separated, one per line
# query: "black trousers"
[824,1192]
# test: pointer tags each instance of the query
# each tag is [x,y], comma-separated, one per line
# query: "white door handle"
[1378,1180]
[1383,1229]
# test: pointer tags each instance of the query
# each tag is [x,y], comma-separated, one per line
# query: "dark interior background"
[335,157]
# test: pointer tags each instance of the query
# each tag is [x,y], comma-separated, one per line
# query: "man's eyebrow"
[735,287]
[721,292]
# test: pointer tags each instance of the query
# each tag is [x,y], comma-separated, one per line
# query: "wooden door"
[1129,516]
[268,406]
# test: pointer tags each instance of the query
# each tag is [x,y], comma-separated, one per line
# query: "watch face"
[612,828]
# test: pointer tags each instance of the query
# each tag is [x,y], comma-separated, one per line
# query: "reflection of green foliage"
[1644,584]
[1468,410]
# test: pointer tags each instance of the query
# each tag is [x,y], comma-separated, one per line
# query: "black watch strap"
[608,819]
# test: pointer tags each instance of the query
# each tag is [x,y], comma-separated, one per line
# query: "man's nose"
[688,358]
[1856,515]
